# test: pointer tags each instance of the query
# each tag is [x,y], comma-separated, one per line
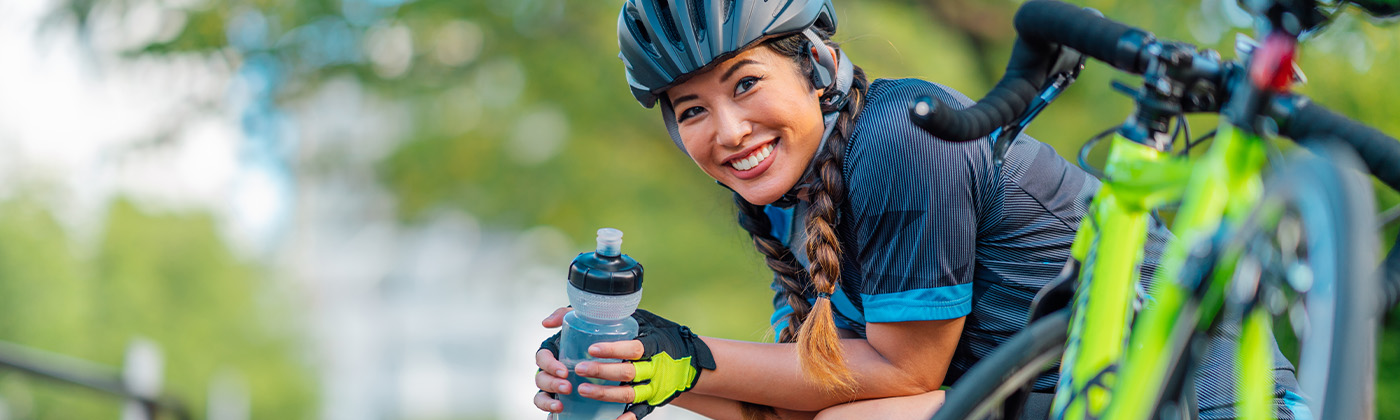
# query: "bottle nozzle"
[609,242]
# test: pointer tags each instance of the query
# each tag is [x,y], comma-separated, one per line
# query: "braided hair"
[811,326]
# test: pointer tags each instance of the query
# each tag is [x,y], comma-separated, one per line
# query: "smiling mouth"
[753,159]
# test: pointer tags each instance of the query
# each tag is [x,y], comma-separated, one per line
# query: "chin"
[760,198]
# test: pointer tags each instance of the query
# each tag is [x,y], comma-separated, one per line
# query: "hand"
[668,362]
[553,376]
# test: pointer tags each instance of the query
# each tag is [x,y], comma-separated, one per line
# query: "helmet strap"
[668,115]
[845,76]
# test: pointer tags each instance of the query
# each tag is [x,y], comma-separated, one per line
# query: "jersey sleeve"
[914,202]
[782,313]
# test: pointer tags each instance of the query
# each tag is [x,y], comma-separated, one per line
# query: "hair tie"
[821,295]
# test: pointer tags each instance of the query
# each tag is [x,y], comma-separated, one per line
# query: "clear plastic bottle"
[605,287]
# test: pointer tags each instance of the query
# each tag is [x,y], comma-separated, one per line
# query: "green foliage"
[470,150]
[164,277]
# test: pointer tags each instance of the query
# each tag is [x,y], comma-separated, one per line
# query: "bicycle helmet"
[664,42]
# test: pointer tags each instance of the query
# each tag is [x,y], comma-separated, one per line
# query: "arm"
[768,374]
[726,409]
[898,359]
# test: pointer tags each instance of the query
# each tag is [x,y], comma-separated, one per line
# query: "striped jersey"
[935,230]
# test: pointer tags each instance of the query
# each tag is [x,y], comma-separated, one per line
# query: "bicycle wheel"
[983,390]
[1311,243]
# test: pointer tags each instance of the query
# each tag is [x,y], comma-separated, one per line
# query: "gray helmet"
[664,41]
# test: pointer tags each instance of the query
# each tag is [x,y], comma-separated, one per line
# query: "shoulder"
[887,96]
[883,127]
[887,152]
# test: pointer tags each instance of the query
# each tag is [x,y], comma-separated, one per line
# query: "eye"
[688,113]
[745,84]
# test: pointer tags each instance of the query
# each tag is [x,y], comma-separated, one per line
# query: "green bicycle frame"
[1102,358]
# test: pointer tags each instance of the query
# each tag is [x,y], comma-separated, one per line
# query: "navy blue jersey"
[935,230]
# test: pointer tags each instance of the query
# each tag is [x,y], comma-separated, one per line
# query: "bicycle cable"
[1084,154]
[1208,135]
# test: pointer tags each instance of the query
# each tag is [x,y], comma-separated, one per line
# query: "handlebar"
[1052,22]
[1047,28]
[1307,122]
[1052,37]
[1012,95]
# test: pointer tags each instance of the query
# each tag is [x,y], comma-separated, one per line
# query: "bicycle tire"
[1331,199]
[981,391]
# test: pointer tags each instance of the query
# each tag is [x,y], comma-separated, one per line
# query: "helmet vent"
[634,25]
[668,24]
[697,18]
[728,10]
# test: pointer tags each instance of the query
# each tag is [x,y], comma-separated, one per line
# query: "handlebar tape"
[1025,74]
[1050,21]
[1043,26]
[1311,122]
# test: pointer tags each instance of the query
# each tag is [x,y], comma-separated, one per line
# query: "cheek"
[690,138]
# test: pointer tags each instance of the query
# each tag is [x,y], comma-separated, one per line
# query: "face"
[752,123]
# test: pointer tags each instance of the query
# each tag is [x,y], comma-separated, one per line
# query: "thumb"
[556,319]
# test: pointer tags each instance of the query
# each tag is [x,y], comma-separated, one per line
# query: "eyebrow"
[735,67]
[723,78]
[684,98]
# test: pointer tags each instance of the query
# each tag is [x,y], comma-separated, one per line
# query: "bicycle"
[1298,250]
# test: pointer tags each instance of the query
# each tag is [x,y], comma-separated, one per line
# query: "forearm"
[769,374]
[726,409]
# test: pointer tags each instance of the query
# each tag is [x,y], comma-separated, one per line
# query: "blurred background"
[361,209]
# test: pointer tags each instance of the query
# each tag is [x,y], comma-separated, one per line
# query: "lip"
[747,151]
[757,170]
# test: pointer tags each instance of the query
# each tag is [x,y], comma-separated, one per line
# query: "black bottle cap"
[606,275]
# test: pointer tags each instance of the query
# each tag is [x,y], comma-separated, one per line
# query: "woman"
[900,259]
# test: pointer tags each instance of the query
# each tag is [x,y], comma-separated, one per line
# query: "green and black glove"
[671,362]
[672,358]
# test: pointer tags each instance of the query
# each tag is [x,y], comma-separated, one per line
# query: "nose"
[733,128]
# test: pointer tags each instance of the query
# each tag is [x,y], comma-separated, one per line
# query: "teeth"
[753,159]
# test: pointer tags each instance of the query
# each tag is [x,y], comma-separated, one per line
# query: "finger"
[543,402]
[556,319]
[621,372]
[548,383]
[619,394]
[544,359]
[625,350]
[643,392]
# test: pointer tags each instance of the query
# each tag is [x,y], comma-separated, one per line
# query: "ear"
[823,61]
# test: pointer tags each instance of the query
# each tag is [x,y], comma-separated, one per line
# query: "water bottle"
[605,287]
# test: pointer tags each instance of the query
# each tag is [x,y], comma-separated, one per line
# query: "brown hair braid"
[812,326]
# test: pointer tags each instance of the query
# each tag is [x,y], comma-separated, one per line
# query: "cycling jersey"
[936,230]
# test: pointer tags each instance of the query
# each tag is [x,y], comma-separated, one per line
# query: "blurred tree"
[519,114]
[168,278]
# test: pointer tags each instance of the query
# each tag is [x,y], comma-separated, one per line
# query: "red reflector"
[1272,64]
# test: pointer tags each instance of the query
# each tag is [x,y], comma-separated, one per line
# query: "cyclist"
[899,259]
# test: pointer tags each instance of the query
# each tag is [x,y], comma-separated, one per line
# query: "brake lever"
[1067,65]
